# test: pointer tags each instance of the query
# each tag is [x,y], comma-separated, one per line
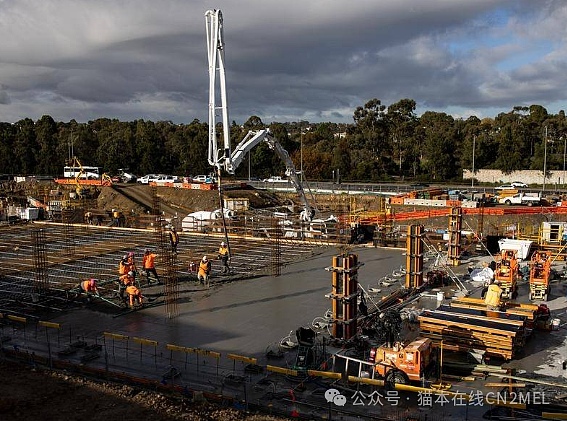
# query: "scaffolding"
[454,244]
[344,295]
[41,281]
[276,248]
[414,256]
[167,259]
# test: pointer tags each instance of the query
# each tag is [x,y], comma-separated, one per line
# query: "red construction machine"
[540,271]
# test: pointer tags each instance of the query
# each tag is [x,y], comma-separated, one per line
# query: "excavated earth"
[33,394]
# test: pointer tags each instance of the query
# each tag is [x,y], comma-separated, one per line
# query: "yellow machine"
[506,274]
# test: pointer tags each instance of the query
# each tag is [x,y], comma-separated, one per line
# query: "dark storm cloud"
[288,60]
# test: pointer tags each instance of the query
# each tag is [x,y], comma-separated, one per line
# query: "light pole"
[473,148]
[301,155]
[564,148]
[544,159]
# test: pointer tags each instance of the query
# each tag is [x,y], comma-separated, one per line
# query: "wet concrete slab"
[244,316]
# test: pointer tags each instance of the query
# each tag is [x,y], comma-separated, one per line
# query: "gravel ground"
[34,394]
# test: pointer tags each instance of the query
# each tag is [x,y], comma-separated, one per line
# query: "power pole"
[473,148]
[301,156]
[564,148]
[544,159]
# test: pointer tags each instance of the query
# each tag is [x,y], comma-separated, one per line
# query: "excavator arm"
[252,139]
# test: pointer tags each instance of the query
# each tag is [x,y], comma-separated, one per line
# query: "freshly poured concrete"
[244,316]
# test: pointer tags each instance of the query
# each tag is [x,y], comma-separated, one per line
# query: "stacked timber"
[529,311]
[461,328]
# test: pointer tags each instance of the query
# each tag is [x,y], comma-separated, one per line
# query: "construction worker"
[204,271]
[131,262]
[223,257]
[89,217]
[149,264]
[133,294]
[124,282]
[123,266]
[174,239]
[492,299]
[116,217]
[89,287]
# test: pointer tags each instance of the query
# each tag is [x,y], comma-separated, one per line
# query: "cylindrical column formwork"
[454,246]
[345,295]
[414,256]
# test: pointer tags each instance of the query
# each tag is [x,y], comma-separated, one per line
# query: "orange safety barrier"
[83,182]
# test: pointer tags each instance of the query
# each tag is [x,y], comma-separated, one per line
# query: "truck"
[530,199]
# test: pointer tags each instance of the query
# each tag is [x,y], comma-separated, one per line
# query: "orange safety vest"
[132,290]
[223,250]
[126,280]
[204,268]
[86,285]
[123,268]
[149,261]
[174,237]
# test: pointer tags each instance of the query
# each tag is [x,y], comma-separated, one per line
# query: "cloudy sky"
[286,60]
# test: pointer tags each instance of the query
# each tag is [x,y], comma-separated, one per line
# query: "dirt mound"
[137,198]
[109,199]
[44,395]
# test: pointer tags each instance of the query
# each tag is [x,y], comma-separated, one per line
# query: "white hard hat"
[223,244]
[131,273]
[205,258]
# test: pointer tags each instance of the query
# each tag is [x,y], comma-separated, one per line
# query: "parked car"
[167,178]
[519,184]
[148,178]
[505,187]
[204,179]
[275,179]
[529,199]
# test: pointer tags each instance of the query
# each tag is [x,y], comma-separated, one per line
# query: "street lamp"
[544,159]
[473,148]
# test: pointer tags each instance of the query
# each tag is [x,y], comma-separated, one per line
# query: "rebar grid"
[99,249]
[67,217]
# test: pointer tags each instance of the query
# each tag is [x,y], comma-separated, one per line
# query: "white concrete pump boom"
[215,48]
[228,160]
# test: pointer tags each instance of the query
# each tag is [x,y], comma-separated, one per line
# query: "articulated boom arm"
[215,53]
[252,139]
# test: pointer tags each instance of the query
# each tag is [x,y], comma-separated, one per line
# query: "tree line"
[383,143]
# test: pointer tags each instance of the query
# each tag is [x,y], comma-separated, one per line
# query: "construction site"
[227,300]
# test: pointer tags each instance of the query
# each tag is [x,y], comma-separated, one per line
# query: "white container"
[440,296]
[555,324]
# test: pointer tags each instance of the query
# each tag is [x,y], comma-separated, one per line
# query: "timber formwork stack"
[414,256]
[467,325]
[344,295]
[455,226]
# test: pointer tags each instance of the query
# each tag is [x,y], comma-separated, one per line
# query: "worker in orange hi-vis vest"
[204,271]
[134,294]
[149,264]
[89,286]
